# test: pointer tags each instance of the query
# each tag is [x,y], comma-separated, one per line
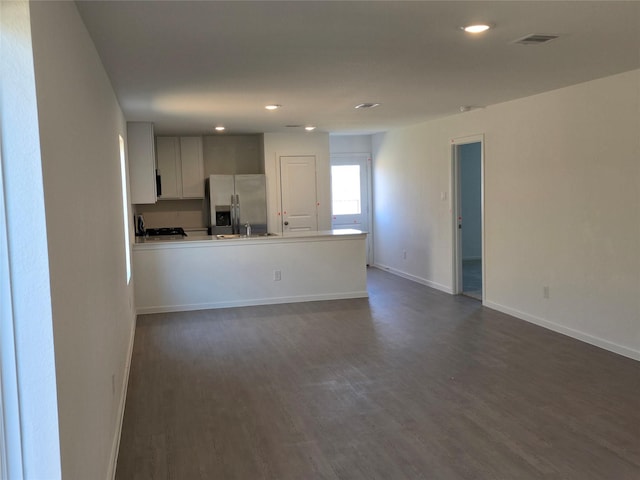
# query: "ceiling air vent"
[367,105]
[535,39]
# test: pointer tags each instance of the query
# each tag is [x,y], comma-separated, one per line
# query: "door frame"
[344,157]
[456,204]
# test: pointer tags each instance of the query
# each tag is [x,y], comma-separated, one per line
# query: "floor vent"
[535,39]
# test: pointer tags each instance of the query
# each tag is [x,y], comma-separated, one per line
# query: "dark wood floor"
[409,384]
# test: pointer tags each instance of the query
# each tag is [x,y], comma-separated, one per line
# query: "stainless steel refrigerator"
[234,201]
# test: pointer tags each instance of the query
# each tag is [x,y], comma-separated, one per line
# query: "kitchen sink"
[228,236]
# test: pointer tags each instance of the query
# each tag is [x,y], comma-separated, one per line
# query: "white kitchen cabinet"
[168,151]
[180,167]
[192,167]
[142,162]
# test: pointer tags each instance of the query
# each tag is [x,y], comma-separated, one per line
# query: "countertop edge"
[212,241]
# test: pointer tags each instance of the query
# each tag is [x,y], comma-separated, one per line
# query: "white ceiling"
[188,66]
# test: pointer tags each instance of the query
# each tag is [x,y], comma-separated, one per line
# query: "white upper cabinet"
[142,162]
[168,150]
[192,167]
[180,166]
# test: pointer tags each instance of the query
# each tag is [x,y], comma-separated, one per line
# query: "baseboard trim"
[570,332]
[123,400]
[408,276]
[251,302]
[541,322]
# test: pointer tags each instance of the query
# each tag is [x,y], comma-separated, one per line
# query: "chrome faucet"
[248,227]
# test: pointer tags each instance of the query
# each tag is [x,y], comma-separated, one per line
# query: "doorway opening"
[351,195]
[468,210]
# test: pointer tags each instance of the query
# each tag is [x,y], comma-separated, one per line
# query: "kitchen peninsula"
[203,272]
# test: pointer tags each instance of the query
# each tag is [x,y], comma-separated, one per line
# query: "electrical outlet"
[545,291]
[404,254]
[277,275]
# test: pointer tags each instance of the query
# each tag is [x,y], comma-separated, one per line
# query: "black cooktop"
[157,232]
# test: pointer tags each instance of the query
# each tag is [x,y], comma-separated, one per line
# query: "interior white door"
[350,194]
[299,194]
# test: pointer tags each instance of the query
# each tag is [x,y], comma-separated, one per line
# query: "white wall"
[29,436]
[562,207]
[410,170]
[93,315]
[350,143]
[232,154]
[292,144]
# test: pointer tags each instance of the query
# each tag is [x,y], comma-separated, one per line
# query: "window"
[125,209]
[345,189]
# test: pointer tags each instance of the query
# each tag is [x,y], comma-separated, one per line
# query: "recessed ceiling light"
[367,105]
[479,28]
[220,128]
[272,107]
[309,128]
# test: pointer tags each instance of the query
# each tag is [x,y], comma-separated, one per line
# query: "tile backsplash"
[173,213]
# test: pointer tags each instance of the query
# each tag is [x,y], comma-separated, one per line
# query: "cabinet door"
[192,168]
[168,150]
[142,162]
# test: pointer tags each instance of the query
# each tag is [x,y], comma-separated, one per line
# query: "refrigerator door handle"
[237,213]
[232,213]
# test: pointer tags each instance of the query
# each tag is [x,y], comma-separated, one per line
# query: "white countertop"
[324,233]
[212,240]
